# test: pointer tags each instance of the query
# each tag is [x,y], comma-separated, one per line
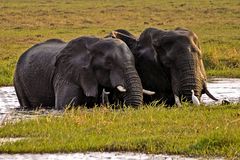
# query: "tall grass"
[24,23]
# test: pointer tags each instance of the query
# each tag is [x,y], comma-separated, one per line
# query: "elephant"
[55,73]
[169,62]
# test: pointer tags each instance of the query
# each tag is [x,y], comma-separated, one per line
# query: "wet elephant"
[168,62]
[56,73]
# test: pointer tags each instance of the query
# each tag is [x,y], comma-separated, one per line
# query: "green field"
[198,131]
[191,131]
[26,22]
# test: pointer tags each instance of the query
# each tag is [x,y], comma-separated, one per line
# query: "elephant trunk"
[134,93]
[191,80]
[191,83]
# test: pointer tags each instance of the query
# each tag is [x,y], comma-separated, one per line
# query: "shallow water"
[221,88]
[92,156]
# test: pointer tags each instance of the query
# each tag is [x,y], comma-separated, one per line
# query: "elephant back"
[35,70]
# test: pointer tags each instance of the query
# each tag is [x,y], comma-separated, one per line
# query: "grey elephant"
[168,62]
[55,73]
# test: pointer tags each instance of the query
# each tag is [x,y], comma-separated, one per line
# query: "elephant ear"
[162,41]
[73,64]
[125,36]
[147,46]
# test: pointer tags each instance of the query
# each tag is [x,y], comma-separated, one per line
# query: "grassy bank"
[24,23]
[196,131]
[227,72]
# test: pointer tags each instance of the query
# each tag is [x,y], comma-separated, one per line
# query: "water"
[8,99]
[92,156]
[221,88]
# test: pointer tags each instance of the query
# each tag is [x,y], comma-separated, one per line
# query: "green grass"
[24,23]
[197,131]
[227,72]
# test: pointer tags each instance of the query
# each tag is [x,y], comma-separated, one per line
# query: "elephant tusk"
[147,92]
[105,92]
[195,99]
[121,89]
[177,100]
[208,93]
[105,97]
[114,34]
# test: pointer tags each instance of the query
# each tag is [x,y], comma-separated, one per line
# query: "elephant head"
[95,64]
[168,62]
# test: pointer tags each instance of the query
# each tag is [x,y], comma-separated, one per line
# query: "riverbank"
[188,130]
[205,131]
[226,73]
[97,156]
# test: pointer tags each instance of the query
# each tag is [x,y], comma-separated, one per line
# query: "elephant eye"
[196,51]
[167,62]
[108,63]
[192,49]
[138,46]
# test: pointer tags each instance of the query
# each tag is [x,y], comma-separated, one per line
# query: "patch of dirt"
[10,139]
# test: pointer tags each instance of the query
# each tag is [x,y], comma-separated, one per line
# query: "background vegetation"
[26,22]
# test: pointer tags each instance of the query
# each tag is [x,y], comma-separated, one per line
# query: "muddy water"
[221,88]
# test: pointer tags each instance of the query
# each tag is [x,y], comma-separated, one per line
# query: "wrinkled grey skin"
[168,62]
[56,73]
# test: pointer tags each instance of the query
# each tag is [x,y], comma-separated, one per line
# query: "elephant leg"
[67,94]
[21,95]
[22,98]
